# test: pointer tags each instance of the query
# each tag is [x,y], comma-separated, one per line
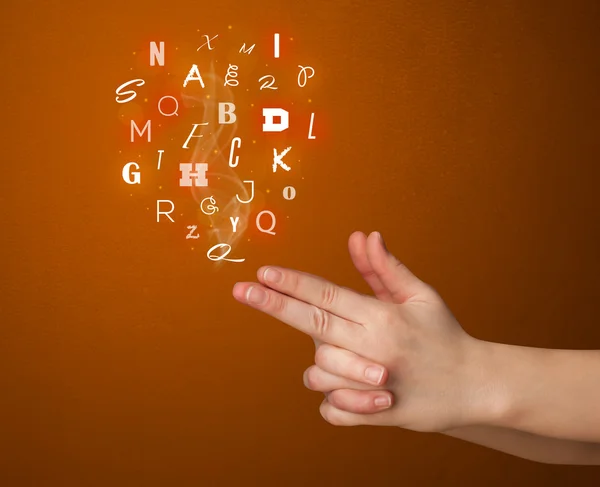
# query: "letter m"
[137,129]
[247,51]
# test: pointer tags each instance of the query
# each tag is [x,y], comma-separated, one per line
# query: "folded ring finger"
[319,380]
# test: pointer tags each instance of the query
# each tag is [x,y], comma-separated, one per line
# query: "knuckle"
[329,293]
[369,273]
[320,321]
[311,379]
[278,303]
[322,355]
[328,414]
[323,411]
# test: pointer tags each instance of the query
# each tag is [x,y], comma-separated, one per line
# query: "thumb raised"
[400,282]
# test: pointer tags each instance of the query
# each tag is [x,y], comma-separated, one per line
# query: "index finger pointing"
[314,290]
[309,319]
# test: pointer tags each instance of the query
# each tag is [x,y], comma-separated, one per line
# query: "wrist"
[488,400]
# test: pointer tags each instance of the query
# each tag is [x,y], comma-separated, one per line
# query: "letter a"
[194,75]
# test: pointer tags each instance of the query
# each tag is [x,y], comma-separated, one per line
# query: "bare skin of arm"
[513,442]
[531,447]
[402,359]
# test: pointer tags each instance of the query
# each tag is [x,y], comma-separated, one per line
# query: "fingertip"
[309,378]
[374,374]
[354,240]
[238,291]
[383,401]
[331,414]
[376,251]
[384,377]
[356,234]
[380,377]
[357,248]
[376,240]
[260,273]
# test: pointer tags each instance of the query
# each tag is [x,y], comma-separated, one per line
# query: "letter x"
[208,42]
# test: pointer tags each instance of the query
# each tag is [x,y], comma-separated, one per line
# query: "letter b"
[227,113]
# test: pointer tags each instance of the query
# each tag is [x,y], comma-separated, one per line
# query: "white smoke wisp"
[223,182]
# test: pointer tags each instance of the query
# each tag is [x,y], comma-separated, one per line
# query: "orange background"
[466,132]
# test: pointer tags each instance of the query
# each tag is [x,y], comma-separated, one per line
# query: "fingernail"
[382,241]
[256,295]
[374,374]
[272,275]
[383,402]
